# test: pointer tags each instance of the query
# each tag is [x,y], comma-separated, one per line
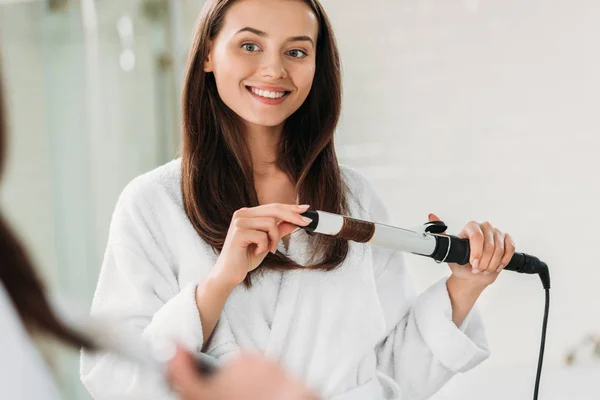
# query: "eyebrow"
[264,34]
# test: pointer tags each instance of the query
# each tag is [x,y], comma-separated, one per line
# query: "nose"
[273,67]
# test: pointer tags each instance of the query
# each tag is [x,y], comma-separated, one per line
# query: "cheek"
[230,68]
[228,77]
[303,78]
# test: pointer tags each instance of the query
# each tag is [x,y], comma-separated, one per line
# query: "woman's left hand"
[491,251]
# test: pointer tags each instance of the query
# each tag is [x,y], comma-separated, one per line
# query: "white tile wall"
[486,110]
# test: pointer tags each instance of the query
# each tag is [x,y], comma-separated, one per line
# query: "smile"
[267,94]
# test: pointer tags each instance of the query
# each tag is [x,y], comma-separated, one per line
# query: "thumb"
[285,228]
[433,217]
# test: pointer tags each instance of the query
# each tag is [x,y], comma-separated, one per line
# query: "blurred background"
[471,109]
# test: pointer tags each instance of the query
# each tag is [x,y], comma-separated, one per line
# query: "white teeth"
[267,94]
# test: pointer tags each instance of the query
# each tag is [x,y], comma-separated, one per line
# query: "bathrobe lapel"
[243,306]
[288,295]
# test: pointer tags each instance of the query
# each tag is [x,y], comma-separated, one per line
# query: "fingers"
[266,225]
[259,377]
[265,219]
[474,233]
[184,377]
[284,212]
[491,249]
[509,252]
[259,239]
[498,251]
[487,250]
[244,377]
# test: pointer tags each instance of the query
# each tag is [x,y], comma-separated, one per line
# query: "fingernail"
[474,263]
[500,267]
[304,206]
[475,271]
[307,220]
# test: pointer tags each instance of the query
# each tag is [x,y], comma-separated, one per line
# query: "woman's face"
[263,59]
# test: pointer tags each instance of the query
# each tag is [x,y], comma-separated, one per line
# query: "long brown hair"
[217,175]
[18,275]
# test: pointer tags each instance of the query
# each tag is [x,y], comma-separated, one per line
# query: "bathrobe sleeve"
[138,289]
[422,348]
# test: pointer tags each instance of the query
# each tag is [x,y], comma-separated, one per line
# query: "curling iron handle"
[460,253]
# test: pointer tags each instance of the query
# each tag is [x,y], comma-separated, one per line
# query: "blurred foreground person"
[26,313]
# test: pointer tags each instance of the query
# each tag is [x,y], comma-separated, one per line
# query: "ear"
[208,65]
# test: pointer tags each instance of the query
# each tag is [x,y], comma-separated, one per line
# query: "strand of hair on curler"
[356,230]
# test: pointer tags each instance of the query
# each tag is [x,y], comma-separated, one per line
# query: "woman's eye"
[297,53]
[250,47]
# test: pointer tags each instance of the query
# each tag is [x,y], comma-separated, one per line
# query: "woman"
[194,251]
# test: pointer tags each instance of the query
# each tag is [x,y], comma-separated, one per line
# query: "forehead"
[278,18]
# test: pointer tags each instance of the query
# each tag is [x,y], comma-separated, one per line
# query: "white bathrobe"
[358,332]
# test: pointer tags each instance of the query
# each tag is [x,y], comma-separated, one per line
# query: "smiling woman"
[269,81]
[195,250]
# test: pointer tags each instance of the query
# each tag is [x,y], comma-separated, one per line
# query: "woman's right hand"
[254,232]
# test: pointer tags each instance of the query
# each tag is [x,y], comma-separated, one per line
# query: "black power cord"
[545,278]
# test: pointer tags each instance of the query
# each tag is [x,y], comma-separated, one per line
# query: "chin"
[269,121]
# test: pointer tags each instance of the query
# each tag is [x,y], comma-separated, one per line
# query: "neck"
[263,142]
[271,183]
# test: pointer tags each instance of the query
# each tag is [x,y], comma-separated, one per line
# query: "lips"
[268,93]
